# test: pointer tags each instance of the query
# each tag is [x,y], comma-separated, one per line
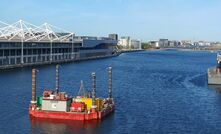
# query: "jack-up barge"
[59,105]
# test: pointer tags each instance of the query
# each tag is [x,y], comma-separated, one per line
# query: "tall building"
[125,42]
[113,36]
[163,42]
[174,43]
[135,44]
[129,43]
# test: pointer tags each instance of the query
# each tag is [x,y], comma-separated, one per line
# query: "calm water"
[155,92]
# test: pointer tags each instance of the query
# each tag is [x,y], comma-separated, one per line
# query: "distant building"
[135,44]
[129,43]
[186,43]
[154,43]
[174,43]
[196,43]
[113,36]
[183,43]
[125,42]
[204,43]
[163,43]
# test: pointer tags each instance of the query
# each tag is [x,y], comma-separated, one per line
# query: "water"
[155,92]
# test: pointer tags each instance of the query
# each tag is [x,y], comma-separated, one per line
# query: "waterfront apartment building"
[129,43]
[174,43]
[163,42]
[125,42]
[135,44]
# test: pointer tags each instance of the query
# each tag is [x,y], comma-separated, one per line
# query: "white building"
[135,44]
[128,43]
[125,42]
[154,43]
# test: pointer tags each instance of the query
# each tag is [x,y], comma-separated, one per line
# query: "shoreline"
[190,50]
[131,50]
[6,67]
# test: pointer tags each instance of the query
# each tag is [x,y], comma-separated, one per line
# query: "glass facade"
[12,53]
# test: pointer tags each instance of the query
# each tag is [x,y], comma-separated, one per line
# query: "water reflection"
[216,87]
[63,126]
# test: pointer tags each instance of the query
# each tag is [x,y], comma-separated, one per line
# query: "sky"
[140,19]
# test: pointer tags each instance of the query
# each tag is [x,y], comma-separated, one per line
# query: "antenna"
[33,97]
[93,89]
[57,78]
[110,82]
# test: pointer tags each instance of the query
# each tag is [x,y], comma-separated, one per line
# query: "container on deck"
[99,103]
[88,102]
[39,101]
[47,93]
[56,105]
[77,107]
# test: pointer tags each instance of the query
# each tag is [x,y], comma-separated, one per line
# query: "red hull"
[69,115]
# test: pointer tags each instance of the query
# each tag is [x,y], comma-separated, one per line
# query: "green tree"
[145,45]
[120,46]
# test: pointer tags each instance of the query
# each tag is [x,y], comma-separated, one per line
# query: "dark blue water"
[155,92]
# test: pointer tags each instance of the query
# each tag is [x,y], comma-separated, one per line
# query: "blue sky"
[143,19]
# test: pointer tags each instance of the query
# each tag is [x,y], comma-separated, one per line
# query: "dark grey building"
[113,36]
[163,43]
